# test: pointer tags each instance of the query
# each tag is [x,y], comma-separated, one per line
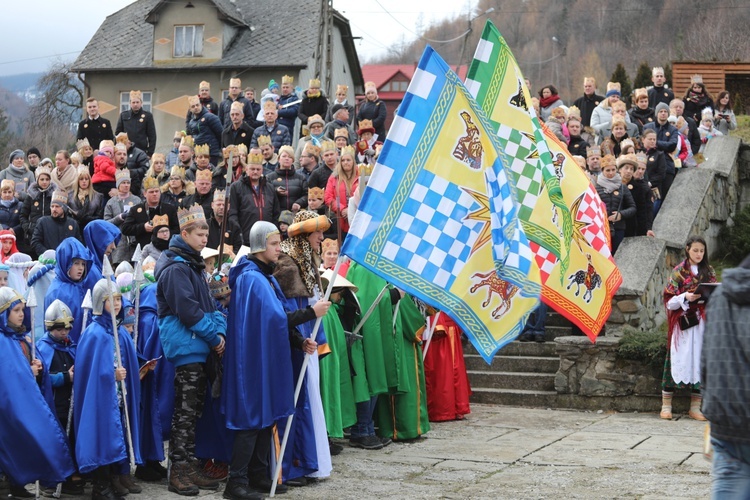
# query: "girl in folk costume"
[340,187]
[687,321]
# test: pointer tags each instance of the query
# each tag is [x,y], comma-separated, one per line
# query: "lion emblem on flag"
[469,149]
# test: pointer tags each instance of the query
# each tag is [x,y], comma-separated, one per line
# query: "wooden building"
[717,76]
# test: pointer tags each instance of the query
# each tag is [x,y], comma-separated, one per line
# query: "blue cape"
[70,292]
[157,387]
[98,234]
[32,443]
[99,430]
[257,389]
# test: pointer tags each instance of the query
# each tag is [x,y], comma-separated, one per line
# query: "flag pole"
[298,387]
[431,330]
[32,304]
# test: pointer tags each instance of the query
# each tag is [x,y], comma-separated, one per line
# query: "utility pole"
[321,38]
[329,47]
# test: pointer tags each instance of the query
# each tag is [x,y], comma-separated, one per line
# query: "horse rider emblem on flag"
[438,218]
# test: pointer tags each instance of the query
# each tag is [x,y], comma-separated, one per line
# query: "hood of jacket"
[171,256]
[69,249]
[98,234]
[736,285]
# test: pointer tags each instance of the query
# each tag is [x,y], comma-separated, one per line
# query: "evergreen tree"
[6,136]
[643,76]
[620,75]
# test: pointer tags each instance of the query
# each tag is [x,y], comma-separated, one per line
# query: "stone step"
[550,399]
[517,348]
[523,364]
[512,380]
[556,319]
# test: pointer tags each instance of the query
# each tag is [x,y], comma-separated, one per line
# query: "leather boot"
[103,491]
[666,405]
[127,482]
[179,480]
[117,487]
[695,408]
[237,491]
[196,476]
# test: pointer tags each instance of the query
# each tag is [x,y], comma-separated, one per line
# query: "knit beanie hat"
[661,106]
[33,151]
[15,154]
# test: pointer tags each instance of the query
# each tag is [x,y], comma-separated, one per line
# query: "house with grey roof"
[165,48]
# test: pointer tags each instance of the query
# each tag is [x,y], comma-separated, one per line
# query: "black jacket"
[140,214]
[656,168]
[641,117]
[50,231]
[140,129]
[587,104]
[233,234]
[290,187]
[138,164]
[644,208]
[226,106]
[35,206]
[10,217]
[657,95]
[248,205]
[618,200]
[312,106]
[91,209]
[666,141]
[377,112]
[211,105]
[319,177]
[206,128]
[694,136]
[203,200]
[95,131]
[243,135]
[577,146]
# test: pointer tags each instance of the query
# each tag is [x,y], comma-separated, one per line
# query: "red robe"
[447,383]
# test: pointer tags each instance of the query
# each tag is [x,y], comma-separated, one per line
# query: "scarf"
[6,203]
[546,102]
[313,95]
[680,281]
[609,185]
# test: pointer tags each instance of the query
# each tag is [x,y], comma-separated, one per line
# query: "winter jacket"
[313,106]
[695,104]
[376,111]
[544,113]
[330,129]
[666,141]
[247,205]
[10,217]
[36,205]
[104,169]
[693,136]
[724,125]
[725,358]
[659,94]
[203,200]
[288,115]
[644,208]
[140,129]
[115,212]
[90,209]
[138,164]
[601,118]
[232,237]
[619,200]
[337,198]
[50,231]
[242,135]
[189,324]
[656,168]
[136,218]
[95,131]
[577,146]
[290,187]
[206,129]
[22,177]
[587,104]
[173,157]
[226,106]
[641,117]
[280,136]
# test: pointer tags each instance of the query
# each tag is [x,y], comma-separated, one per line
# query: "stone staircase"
[522,373]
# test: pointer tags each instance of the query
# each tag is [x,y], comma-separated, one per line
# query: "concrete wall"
[700,201]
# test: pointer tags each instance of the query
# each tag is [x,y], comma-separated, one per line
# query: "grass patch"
[743,128]
[649,347]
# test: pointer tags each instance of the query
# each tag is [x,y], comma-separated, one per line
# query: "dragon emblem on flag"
[494,284]
[469,147]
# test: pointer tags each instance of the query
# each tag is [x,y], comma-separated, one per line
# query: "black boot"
[103,491]
[17,491]
[239,491]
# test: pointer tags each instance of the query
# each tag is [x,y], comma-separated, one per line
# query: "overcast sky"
[37,32]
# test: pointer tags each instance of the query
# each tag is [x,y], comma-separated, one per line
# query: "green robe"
[336,390]
[404,416]
[380,349]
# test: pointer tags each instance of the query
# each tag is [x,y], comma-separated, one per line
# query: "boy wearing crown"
[189,328]
[52,229]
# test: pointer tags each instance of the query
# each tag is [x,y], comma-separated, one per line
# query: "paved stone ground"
[508,452]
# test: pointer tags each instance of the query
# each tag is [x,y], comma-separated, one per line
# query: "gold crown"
[255,158]
[231,149]
[264,140]
[177,171]
[327,146]
[60,197]
[193,99]
[641,158]
[316,193]
[287,79]
[314,83]
[696,79]
[187,140]
[608,160]
[342,88]
[220,195]
[202,149]
[365,169]
[136,94]
[242,149]
[160,220]
[270,104]
[365,125]
[238,106]
[204,175]
[121,138]
[204,85]
[330,244]
[82,144]
[150,183]
[341,132]
[122,173]
[312,149]
[348,150]
[188,217]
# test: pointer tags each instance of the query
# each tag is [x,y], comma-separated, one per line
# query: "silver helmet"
[259,233]
[58,314]
[124,267]
[7,296]
[101,294]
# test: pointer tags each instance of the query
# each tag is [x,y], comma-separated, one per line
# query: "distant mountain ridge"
[20,83]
